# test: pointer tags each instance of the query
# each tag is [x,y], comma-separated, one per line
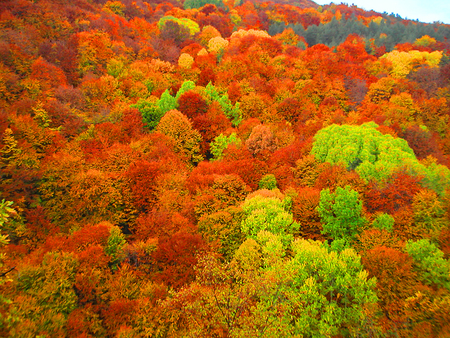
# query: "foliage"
[114,246]
[270,214]
[186,139]
[208,169]
[221,143]
[340,213]
[268,182]
[372,154]
[184,22]
[429,262]
[188,4]
[383,222]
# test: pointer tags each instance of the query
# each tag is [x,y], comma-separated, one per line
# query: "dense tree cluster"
[222,169]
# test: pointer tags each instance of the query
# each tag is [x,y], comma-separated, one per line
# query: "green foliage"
[336,31]
[340,213]
[429,262]
[364,148]
[114,247]
[373,155]
[116,68]
[150,110]
[221,143]
[185,86]
[268,181]
[384,222]
[332,288]
[185,22]
[189,4]
[316,293]
[269,214]
[153,110]
[230,111]
[166,102]
[5,212]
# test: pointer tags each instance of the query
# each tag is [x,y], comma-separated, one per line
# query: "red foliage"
[304,210]
[118,313]
[159,223]
[424,143]
[144,178]
[87,236]
[192,104]
[47,74]
[176,257]
[206,76]
[396,281]
[398,193]
[39,225]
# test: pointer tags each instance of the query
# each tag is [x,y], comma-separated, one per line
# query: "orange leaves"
[176,258]
[397,194]
[47,74]
[143,176]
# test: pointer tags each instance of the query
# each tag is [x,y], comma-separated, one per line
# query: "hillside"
[218,168]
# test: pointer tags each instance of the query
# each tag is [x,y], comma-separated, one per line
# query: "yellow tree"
[186,139]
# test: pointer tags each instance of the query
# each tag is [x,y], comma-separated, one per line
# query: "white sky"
[424,10]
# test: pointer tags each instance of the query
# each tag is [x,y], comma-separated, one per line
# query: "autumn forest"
[222,168]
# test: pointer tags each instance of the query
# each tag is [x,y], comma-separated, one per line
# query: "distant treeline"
[387,32]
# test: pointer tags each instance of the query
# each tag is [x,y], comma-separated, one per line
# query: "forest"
[222,168]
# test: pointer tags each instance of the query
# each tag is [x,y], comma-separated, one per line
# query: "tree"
[5,212]
[341,213]
[429,263]
[272,214]
[221,142]
[46,296]
[261,140]
[375,155]
[315,293]
[186,139]
[114,246]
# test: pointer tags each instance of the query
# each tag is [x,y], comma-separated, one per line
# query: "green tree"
[150,111]
[189,4]
[315,293]
[230,111]
[268,181]
[185,86]
[384,221]
[340,213]
[375,156]
[5,212]
[221,143]
[114,246]
[271,214]
[429,262]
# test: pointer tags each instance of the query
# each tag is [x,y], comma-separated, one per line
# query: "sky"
[424,10]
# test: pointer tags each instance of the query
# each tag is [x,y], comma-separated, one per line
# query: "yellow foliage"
[185,61]
[242,32]
[217,44]
[208,32]
[288,37]
[378,20]
[202,52]
[404,62]
[425,41]
[381,90]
